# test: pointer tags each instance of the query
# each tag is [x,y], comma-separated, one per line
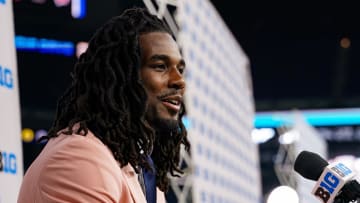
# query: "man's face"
[162,76]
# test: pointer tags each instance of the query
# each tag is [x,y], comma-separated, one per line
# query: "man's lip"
[173,107]
[177,98]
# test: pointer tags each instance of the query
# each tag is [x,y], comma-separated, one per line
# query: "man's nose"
[176,79]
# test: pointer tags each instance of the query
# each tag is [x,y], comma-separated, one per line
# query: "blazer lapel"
[134,185]
[160,197]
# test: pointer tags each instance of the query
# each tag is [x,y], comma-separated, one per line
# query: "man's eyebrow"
[159,57]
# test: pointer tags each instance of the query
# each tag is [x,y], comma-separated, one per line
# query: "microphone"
[333,181]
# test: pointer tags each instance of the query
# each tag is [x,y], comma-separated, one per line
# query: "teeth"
[172,102]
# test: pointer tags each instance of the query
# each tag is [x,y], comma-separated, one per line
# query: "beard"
[166,146]
[165,126]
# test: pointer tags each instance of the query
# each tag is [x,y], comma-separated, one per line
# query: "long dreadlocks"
[106,96]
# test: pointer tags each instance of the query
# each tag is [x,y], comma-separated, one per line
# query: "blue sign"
[45,46]
[6,78]
[8,162]
[2,1]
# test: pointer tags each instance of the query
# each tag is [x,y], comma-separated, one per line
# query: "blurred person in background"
[118,130]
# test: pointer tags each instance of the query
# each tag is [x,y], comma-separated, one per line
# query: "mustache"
[169,93]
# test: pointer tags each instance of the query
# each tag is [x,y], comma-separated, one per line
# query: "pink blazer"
[80,169]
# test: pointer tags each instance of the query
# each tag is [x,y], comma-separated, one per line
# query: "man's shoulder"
[77,146]
[73,165]
[83,159]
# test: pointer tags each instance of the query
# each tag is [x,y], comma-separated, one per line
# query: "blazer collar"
[132,181]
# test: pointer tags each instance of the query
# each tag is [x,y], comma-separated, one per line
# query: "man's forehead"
[159,43]
[157,39]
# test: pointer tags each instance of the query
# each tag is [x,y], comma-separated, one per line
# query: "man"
[125,103]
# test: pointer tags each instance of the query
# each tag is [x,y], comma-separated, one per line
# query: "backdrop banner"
[11,162]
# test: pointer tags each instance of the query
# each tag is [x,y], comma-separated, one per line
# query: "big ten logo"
[6,78]
[341,170]
[8,162]
[327,186]
[331,181]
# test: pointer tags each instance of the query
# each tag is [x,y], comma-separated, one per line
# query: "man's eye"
[159,66]
[181,70]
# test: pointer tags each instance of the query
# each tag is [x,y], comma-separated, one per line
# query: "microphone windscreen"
[310,165]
